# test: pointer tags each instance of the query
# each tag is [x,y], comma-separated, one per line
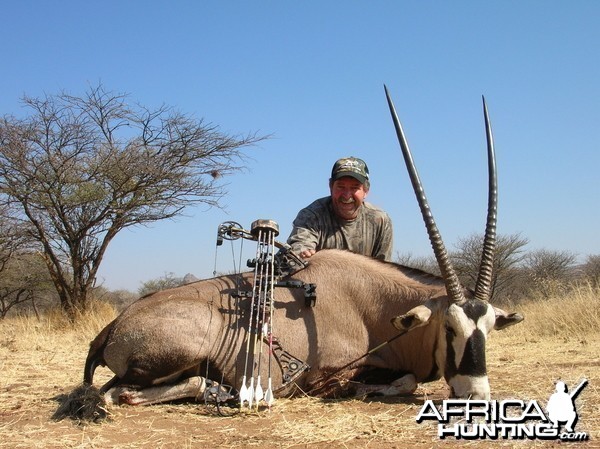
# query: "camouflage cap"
[350,166]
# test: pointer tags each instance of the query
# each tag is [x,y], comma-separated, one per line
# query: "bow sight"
[285,261]
[230,230]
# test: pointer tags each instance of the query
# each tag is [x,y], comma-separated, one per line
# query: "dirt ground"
[34,371]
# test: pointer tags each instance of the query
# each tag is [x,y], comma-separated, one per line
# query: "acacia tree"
[591,270]
[550,271]
[426,263]
[23,281]
[12,238]
[168,280]
[81,169]
[20,277]
[508,256]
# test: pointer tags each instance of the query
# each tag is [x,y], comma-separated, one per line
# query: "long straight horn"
[453,287]
[484,278]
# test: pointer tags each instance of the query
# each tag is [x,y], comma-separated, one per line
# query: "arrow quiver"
[268,268]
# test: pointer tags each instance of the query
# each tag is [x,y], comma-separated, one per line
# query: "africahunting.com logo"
[508,419]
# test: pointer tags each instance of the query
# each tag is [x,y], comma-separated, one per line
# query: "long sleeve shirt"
[318,227]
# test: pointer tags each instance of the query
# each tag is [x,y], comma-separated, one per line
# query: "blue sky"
[311,73]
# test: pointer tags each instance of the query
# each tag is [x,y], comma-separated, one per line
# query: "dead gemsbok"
[184,341]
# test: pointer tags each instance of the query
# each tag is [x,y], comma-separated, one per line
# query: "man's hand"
[307,253]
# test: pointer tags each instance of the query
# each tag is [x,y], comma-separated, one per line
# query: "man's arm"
[304,237]
[385,243]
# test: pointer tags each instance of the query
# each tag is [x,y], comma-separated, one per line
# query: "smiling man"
[344,220]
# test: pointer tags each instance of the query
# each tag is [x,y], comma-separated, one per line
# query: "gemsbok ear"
[505,319]
[416,317]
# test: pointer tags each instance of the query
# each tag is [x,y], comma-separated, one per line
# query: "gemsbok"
[184,341]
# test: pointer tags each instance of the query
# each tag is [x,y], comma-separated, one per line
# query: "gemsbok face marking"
[466,328]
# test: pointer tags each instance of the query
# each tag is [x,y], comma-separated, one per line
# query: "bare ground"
[38,364]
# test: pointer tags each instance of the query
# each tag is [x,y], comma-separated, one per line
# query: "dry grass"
[40,360]
[574,314]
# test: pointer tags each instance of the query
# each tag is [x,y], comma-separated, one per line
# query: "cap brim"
[352,174]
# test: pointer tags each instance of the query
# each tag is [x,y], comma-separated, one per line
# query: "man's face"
[347,195]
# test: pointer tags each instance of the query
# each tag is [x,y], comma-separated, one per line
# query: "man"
[344,220]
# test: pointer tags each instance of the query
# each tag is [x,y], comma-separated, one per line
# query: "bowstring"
[237,272]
